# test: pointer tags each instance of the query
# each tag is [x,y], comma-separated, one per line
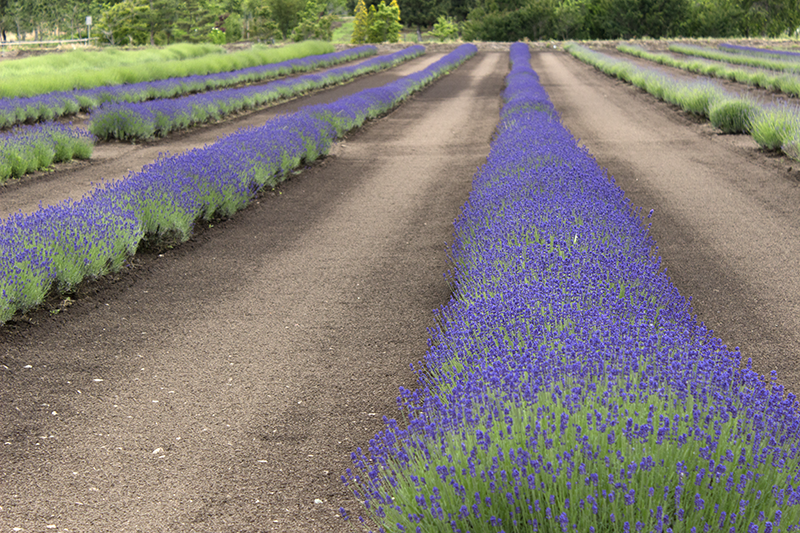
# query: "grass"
[343,33]
[84,70]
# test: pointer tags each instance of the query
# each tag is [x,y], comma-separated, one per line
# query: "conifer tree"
[361,23]
[373,29]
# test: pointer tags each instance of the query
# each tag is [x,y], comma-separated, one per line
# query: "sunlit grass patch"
[84,70]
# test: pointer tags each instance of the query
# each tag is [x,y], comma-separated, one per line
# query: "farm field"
[221,385]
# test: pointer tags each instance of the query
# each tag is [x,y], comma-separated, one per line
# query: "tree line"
[124,22]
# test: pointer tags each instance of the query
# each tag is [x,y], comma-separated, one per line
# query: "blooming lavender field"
[568,387]
[55,104]
[57,247]
[132,121]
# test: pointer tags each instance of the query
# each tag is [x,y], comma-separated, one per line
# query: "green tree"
[125,23]
[770,18]
[422,13]
[384,23]
[569,19]
[313,23]
[714,18]
[284,13]
[258,20]
[533,20]
[445,29]
[361,23]
[161,17]
[195,19]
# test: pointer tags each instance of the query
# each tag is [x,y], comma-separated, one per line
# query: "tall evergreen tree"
[361,23]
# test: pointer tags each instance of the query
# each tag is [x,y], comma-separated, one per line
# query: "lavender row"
[56,247]
[760,51]
[26,149]
[61,103]
[131,121]
[774,126]
[568,386]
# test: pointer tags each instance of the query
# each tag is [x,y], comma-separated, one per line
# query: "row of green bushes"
[774,126]
[774,81]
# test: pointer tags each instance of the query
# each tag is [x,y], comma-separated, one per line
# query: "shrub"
[733,116]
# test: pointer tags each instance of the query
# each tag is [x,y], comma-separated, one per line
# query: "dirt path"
[725,212]
[223,385]
[114,160]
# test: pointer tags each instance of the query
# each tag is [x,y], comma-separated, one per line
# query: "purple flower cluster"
[56,247]
[28,148]
[568,386]
[125,120]
[760,51]
[60,103]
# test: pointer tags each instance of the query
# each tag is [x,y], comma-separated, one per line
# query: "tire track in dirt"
[725,212]
[241,369]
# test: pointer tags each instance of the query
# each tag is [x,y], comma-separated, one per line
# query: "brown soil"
[221,386]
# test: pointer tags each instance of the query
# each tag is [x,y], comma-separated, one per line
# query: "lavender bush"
[127,121]
[767,62]
[56,247]
[752,50]
[568,387]
[774,126]
[61,103]
[28,148]
[785,82]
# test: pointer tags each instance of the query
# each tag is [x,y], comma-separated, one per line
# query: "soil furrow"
[725,217]
[222,386]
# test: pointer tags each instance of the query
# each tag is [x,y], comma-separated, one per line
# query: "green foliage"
[361,23]
[775,127]
[384,23]
[285,14]
[445,29]
[126,23]
[425,12]
[733,116]
[216,36]
[313,23]
[233,28]
[259,22]
[533,21]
